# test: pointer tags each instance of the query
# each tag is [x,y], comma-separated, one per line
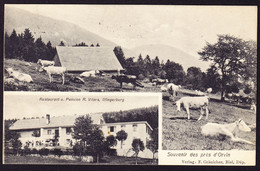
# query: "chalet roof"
[88,58]
[59,121]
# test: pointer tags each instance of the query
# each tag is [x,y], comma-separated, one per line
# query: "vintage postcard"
[201,60]
[81,128]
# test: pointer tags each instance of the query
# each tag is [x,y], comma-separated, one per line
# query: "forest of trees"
[234,67]
[24,47]
[149,114]
[174,72]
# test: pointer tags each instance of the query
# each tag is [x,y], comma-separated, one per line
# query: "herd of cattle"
[200,101]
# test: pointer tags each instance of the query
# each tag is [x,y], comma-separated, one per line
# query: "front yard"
[106,160]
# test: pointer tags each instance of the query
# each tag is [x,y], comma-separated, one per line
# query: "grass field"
[182,134]
[106,160]
[178,132]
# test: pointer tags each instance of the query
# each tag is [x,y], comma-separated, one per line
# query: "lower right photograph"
[207,130]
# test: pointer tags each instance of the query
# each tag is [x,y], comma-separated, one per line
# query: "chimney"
[48,119]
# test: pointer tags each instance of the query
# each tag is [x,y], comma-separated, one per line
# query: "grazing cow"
[127,79]
[215,129]
[45,63]
[209,90]
[201,102]
[19,76]
[91,73]
[54,70]
[172,88]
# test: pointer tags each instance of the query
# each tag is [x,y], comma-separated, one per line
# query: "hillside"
[49,29]
[165,52]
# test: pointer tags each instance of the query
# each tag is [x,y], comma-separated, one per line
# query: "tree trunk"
[222,95]
[223,88]
[136,158]
[97,158]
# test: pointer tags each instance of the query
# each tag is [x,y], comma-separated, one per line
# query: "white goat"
[89,73]
[54,70]
[199,93]
[45,63]
[172,88]
[201,102]
[253,107]
[230,130]
[209,90]
[19,76]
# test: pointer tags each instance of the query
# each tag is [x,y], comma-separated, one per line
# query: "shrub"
[26,150]
[44,152]
[57,152]
[141,77]
[34,151]
[151,77]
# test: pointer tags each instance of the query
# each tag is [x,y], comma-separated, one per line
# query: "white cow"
[19,76]
[173,88]
[91,73]
[54,70]
[215,129]
[201,102]
[164,88]
[45,63]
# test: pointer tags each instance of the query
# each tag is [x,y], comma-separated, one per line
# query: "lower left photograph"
[81,128]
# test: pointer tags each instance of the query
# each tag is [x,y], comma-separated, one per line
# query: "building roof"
[59,121]
[88,58]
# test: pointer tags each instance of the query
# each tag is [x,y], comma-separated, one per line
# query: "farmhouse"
[52,132]
[80,59]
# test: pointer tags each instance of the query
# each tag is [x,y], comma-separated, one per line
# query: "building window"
[49,131]
[36,133]
[123,127]
[134,127]
[112,129]
[68,130]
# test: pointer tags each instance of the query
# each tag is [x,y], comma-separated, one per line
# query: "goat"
[54,70]
[199,93]
[194,102]
[91,73]
[253,107]
[230,130]
[19,76]
[172,88]
[45,63]
[209,90]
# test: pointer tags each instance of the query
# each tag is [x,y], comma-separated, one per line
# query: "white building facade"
[56,132]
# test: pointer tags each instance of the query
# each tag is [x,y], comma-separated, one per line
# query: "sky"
[184,27]
[33,104]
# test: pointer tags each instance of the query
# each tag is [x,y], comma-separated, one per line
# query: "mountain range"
[58,30]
